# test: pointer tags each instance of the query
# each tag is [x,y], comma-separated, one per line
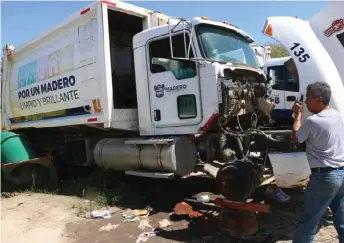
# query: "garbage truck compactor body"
[130,89]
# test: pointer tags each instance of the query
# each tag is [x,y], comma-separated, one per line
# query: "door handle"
[157,115]
[291,98]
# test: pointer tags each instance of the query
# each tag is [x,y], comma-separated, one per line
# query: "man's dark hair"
[320,89]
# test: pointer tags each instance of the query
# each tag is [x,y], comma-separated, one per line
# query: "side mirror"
[271,77]
[186,26]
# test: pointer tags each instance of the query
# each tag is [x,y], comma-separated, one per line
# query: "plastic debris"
[108,227]
[129,213]
[203,199]
[136,219]
[145,223]
[184,208]
[104,214]
[164,223]
[145,236]
[136,215]
[275,193]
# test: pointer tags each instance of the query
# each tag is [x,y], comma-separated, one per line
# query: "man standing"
[323,133]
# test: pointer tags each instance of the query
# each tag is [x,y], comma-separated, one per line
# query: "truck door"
[277,75]
[285,92]
[291,91]
[292,86]
[173,83]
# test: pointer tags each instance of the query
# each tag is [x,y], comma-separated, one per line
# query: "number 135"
[300,52]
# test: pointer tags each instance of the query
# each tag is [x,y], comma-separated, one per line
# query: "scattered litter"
[164,223]
[136,219]
[108,227]
[103,214]
[136,215]
[184,208]
[203,199]
[145,236]
[129,213]
[145,223]
[275,193]
[195,174]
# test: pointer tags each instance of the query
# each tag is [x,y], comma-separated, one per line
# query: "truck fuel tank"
[176,155]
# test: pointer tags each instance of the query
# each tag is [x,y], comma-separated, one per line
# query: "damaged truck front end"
[244,105]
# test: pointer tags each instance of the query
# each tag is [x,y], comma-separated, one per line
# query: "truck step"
[158,175]
[150,141]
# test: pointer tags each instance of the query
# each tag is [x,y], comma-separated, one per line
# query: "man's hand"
[297,108]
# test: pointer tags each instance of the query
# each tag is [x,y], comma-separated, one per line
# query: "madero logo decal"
[161,88]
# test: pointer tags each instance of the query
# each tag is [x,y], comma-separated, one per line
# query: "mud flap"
[34,173]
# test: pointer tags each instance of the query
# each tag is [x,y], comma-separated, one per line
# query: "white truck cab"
[285,89]
[263,53]
[178,91]
[316,48]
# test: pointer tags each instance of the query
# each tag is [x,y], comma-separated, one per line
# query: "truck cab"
[285,89]
[263,53]
[181,95]
[316,49]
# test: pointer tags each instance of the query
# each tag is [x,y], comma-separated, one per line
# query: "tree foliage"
[277,50]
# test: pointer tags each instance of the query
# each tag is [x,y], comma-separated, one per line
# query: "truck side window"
[186,105]
[291,84]
[161,60]
[278,76]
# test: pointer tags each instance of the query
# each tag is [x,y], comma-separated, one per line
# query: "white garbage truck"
[263,53]
[129,89]
[316,48]
[285,89]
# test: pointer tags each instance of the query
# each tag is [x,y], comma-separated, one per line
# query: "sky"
[24,20]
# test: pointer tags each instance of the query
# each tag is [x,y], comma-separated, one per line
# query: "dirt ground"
[30,217]
[37,217]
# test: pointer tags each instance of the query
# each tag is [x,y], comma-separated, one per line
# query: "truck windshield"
[223,45]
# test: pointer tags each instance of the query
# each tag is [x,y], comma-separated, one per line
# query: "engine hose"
[240,150]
